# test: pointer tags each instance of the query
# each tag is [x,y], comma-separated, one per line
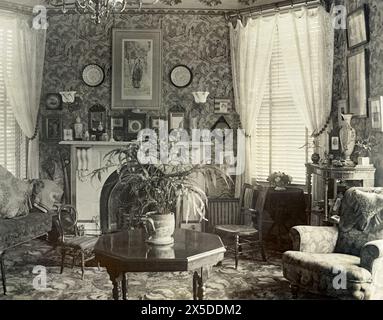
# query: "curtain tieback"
[35,133]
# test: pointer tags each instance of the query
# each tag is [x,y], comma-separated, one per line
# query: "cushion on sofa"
[47,193]
[14,195]
[361,220]
[318,272]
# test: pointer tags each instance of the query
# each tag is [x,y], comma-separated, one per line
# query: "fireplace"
[118,208]
[103,206]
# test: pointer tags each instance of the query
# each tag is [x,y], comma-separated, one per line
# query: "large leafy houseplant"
[162,188]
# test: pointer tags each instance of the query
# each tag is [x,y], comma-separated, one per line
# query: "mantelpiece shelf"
[96,143]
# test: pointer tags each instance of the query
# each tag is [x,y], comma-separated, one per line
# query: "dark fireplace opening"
[118,208]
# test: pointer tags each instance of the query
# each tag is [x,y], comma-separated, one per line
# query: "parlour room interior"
[191,149]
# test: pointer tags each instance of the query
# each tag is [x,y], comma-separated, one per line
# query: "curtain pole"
[272,8]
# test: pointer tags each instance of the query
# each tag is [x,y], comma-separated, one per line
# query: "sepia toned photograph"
[184,158]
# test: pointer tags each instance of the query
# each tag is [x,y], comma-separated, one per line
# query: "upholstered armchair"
[344,261]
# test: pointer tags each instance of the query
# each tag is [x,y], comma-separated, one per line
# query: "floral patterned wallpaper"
[73,41]
[375,49]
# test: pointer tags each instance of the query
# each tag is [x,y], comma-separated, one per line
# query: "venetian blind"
[12,141]
[280,133]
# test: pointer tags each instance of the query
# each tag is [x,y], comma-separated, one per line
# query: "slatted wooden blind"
[280,131]
[12,142]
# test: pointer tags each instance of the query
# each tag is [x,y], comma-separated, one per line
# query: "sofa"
[16,231]
[343,261]
[26,210]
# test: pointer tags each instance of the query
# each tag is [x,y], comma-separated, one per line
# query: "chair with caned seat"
[247,230]
[70,241]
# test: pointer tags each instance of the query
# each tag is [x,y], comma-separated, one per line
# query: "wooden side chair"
[71,242]
[247,230]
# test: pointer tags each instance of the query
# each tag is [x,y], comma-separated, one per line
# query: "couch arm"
[314,239]
[370,252]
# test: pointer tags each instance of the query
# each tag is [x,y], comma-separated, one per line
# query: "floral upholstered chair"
[345,262]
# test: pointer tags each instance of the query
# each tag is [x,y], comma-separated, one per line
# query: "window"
[280,137]
[12,141]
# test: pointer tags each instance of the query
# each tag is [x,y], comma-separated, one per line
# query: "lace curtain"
[24,83]
[310,73]
[251,49]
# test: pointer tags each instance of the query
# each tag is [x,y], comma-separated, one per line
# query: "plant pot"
[160,228]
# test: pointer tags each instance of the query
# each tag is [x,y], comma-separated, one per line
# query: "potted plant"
[279,180]
[161,188]
[364,148]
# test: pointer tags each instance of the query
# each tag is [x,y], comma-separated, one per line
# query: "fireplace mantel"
[84,144]
[87,156]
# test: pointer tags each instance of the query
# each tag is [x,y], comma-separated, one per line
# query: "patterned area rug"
[254,279]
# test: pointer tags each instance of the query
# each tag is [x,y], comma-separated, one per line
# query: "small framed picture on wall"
[52,128]
[376,113]
[176,118]
[223,106]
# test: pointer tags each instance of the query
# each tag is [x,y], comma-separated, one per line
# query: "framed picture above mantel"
[136,71]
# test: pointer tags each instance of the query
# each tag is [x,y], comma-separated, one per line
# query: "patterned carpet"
[254,279]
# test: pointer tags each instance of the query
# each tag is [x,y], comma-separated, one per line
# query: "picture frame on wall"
[357,83]
[53,102]
[358,27]
[134,123]
[177,118]
[223,106]
[52,128]
[137,70]
[117,122]
[376,113]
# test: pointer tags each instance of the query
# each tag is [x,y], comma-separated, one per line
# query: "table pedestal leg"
[199,288]
[124,287]
[119,282]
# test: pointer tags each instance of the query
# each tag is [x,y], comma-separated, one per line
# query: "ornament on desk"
[78,129]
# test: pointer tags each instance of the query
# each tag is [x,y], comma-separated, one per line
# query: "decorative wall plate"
[181,76]
[53,101]
[93,75]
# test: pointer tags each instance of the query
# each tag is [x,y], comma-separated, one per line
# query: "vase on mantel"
[347,135]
